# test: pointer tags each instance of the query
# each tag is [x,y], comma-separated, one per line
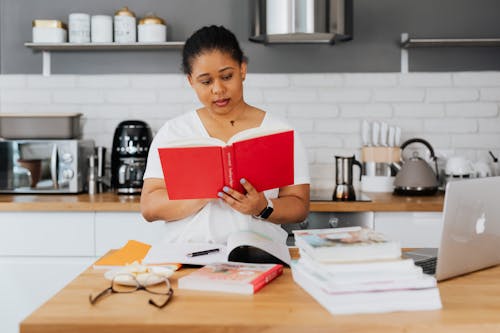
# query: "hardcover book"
[346,244]
[200,168]
[231,277]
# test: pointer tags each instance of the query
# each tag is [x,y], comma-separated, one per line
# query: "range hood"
[302,21]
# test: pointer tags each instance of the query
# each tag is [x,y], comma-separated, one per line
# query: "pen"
[201,253]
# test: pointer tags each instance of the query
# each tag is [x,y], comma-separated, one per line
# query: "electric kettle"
[415,176]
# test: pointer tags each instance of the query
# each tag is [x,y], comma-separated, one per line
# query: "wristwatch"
[266,212]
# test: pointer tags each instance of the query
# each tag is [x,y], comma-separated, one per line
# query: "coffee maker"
[129,154]
[344,190]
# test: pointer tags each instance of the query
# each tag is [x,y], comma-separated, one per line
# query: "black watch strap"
[266,212]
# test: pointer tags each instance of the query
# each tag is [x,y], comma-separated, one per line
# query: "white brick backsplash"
[267,81]
[451,126]
[177,96]
[254,96]
[277,109]
[472,110]
[371,80]
[301,124]
[458,113]
[313,110]
[438,140]
[342,95]
[408,125]
[155,111]
[484,141]
[130,96]
[473,79]
[104,111]
[25,96]
[365,111]
[78,96]
[415,110]
[321,140]
[316,80]
[324,171]
[489,125]
[425,80]
[290,95]
[399,95]
[158,81]
[452,95]
[490,94]
[337,126]
[12,81]
[103,81]
[59,81]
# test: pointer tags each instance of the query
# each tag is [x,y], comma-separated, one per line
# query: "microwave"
[44,166]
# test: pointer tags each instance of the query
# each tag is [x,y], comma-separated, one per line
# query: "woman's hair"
[210,38]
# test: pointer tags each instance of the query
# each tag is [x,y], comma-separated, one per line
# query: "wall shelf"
[407,43]
[47,48]
[450,42]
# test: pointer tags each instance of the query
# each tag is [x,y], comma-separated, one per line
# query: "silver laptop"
[471,230]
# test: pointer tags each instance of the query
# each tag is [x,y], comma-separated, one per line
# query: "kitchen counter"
[470,304]
[130,203]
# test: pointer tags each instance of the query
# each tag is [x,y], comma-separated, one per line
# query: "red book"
[231,277]
[200,168]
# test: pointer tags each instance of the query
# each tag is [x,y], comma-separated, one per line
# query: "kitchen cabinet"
[412,229]
[114,229]
[27,282]
[40,252]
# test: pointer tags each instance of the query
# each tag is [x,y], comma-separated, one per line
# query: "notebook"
[471,230]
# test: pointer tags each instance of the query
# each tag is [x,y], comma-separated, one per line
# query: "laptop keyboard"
[428,265]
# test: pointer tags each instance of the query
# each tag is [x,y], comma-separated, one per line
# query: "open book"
[200,168]
[242,246]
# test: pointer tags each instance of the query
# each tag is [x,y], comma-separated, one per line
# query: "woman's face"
[218,81]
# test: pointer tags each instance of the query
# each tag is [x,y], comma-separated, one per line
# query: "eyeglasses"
[128,283]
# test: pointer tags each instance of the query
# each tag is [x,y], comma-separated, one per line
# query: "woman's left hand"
[251,203]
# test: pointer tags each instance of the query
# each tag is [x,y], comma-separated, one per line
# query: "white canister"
[101,27]
[152,29]
[79,28]
[125,26]
[49,31]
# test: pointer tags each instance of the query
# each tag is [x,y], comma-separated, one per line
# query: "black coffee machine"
[129,154]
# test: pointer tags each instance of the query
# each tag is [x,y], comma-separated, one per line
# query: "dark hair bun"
[210,38]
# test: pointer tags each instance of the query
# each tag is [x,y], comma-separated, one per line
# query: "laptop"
[471,230]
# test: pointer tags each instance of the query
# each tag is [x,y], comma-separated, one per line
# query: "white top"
[214,222]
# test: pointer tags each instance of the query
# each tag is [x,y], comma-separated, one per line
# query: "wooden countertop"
[130,203]
[470,304]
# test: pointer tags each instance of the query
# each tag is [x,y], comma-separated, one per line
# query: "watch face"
[265,214]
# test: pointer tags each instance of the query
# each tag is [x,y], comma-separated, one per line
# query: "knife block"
[378,172]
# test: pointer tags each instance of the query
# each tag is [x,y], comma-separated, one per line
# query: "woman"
[215,68]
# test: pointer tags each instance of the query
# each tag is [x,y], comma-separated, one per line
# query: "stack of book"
[357,270]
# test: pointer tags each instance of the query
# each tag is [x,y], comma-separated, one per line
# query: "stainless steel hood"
[302,21]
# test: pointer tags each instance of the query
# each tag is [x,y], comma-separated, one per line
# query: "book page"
[195,142]
[255,133]
[260,241]
[177,253]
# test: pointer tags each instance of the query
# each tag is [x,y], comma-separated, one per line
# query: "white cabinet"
[413,229]
[114,229]
[47,234]
[40,252]
[27,282]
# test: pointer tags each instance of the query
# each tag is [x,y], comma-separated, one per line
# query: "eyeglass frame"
[138,286]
